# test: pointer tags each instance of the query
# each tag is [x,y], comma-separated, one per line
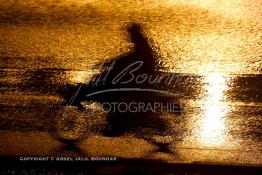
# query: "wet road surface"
[213,46]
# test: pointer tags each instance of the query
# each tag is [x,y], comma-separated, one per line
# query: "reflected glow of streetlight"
[212,131]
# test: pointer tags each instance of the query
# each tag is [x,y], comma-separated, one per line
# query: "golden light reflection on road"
[230,8]
[209,126]
[212,125]
[81,76]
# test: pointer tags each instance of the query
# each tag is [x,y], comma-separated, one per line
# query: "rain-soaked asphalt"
[214,47]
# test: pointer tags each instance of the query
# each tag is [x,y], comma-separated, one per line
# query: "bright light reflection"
[80,76]
[235,9]
[212,131]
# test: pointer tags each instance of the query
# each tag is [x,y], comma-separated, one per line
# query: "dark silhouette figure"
[142,55]
[116,75]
